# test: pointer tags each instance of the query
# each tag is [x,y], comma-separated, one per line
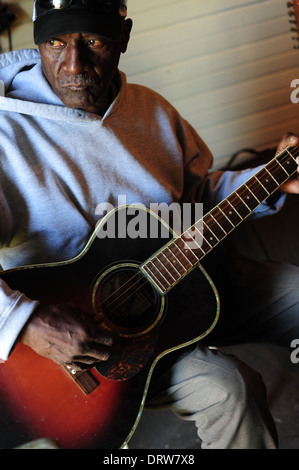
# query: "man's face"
[81,66]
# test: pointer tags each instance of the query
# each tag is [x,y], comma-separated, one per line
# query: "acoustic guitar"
[152,293]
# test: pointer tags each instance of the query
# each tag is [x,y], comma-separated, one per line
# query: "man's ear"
[127,27]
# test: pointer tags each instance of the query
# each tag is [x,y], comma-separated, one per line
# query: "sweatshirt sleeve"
[210,187]
[15,310]
[15,307]
[220,185]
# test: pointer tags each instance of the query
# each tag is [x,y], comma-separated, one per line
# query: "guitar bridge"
[85,380]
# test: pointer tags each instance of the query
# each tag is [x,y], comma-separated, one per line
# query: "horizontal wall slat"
[227,69]
[260,139]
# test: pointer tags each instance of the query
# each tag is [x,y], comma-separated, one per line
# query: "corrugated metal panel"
[226,65]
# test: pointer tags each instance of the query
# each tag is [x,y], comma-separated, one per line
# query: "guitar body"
[40,399]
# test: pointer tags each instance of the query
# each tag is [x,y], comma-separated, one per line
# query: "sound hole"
[126,300]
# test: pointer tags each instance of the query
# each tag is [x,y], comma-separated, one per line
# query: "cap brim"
[57,22]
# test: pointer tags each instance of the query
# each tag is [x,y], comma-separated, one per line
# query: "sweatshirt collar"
[28,92]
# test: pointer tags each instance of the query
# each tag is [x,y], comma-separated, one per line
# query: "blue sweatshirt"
[59,164]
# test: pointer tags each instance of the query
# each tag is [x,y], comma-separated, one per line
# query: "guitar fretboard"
[179,256]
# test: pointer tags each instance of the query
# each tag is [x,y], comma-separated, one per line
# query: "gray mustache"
[78,80]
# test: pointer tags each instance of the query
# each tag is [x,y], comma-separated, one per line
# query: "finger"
[104,339]
[288,140]
[99,353]
[81,363]
[292,186]
[91,356]
[291,139]
[94,352]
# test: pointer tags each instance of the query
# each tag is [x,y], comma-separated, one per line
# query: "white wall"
[226,65]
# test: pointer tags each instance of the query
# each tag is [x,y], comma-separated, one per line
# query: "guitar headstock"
[293,12]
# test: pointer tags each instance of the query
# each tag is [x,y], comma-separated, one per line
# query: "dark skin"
[80,68]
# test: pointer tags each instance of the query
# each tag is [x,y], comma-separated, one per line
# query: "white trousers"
[224,397]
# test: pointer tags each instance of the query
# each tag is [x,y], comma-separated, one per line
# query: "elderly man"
[75,134]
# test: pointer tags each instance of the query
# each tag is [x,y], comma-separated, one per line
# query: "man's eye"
[55,43]
[94,43]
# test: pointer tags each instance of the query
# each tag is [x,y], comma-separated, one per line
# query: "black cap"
[53,18]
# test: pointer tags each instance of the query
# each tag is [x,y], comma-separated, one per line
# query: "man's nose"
[75,60]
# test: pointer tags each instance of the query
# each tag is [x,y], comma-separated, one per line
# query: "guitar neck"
[178,257]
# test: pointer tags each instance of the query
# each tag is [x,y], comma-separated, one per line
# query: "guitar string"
[285,152]
[296,149]
[294,154]
[142,282]
[137,301]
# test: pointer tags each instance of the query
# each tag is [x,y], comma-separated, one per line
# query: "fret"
[241,207]
[175,260]
[205,243]
[255,197]
[223,221]
[257,190]
[200,239]
[293,159]
[234,209]
[210,235]
[247,198]
[266,192]
[281,166]
[184,258]
[179,256]
[170,268]
[163,271]
[277,184]
[288,162]
[214,226]
[187,252]
[155,275]
[268,181]
[230,212]
[277,173]
[191,241]
[200,243]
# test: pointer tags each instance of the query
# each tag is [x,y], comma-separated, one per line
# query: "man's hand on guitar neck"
[292,185]
[68,336]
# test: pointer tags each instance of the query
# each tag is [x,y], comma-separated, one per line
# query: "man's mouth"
[77,84]
[76,87]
